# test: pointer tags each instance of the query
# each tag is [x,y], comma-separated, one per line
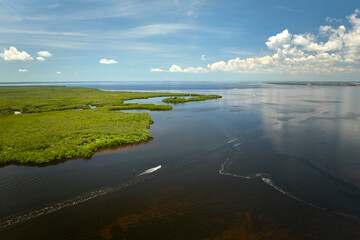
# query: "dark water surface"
[263,162]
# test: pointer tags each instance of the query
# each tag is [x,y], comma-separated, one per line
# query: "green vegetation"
[49,128]
[146,106]
[44,99]
[44,137]
[191,99]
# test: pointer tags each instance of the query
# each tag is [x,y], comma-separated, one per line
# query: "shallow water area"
[278,160]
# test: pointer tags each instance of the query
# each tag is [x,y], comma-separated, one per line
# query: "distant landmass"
[319,83]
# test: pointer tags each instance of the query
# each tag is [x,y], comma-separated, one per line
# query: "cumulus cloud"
[44,54]
[12,54]
[176,68]
[22,70]
[40,59]
[106,61]
[279,40]
[332,49]
[238,64]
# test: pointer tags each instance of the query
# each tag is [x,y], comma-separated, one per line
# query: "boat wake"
[11,221]
[233,140]
[266,178]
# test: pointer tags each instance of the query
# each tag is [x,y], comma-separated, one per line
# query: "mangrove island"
[46,123]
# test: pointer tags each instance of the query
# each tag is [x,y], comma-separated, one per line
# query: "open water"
[263,162]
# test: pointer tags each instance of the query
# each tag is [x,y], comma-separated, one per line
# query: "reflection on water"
[311,142]
[263,161]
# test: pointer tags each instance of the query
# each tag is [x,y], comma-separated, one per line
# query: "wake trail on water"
[266,178]
[233,140]
[11,221]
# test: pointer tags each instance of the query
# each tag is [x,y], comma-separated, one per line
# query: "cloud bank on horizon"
[297,53]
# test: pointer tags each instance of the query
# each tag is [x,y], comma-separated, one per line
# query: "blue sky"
[243,40]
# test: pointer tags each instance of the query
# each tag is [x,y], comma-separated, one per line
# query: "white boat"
[150,170]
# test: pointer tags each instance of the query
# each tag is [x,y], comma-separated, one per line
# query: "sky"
[179,40]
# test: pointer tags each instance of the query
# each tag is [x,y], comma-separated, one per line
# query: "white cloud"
[156,70]
[176,68]
[23,70]
[278,40]
[58,72]
[295,53]
[40,59]
[241,65]
[195,70]
[44,54]
[12,54]
[303,39]
[203,57]
[106,61]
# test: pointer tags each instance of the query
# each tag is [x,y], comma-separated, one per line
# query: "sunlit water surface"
[285,154]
